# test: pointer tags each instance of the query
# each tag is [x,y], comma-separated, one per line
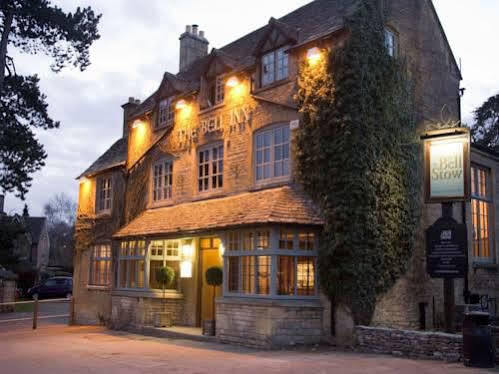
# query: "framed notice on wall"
[447,165]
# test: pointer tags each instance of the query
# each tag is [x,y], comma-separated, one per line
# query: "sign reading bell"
[447,165]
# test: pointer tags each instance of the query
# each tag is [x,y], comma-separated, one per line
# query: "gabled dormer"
[170,87]
[271,52]
[213,78]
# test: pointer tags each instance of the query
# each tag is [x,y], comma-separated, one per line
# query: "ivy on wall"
[358,158]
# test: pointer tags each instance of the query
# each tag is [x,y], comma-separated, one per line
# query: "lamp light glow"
[137,123]
[314,55]
[232,82]
[181,104]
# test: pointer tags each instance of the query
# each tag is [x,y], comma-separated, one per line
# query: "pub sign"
[447,165]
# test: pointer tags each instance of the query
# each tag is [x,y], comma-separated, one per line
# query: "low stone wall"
[268,324]
[414,344]
[7,295]
[136,312]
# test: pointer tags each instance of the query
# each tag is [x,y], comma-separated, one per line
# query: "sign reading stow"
[447,243]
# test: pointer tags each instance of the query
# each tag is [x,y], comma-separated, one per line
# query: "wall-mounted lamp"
[181,104]
[83,180]
[187,256]
[136,124]
[232,82]
[221,249]
[186,269]
[314,55]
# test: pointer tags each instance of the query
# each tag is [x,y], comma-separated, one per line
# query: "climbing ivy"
[358,158]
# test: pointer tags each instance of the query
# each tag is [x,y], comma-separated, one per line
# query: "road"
[55,348]
[49,313]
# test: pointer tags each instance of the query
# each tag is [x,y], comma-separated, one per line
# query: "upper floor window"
[390,42]
[100,266]
[162,180]
[481,213]
[217,91]
[274,66]
[272,153]
[104,189]
[166,113]
[210,168]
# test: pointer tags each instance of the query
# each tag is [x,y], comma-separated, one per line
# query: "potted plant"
[214,277]
[165,277]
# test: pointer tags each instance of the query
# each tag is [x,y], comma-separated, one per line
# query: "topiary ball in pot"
[165,276]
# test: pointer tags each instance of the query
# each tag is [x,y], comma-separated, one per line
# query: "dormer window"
[390,42]
[166,113]
[274,66]
[217,91]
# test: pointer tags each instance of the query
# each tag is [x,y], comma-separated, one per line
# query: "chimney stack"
[128,108]
[193,45]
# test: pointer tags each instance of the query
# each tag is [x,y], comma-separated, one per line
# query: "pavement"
[55,348]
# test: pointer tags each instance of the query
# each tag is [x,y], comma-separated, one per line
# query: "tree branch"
[9,17]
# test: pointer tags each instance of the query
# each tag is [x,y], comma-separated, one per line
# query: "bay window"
[278,262]
[132,262]
[481,213]
[272,156]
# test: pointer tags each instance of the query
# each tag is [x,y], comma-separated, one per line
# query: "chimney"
[193,45]
[128,108]
[2,200]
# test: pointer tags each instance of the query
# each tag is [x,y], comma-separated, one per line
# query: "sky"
[139,42]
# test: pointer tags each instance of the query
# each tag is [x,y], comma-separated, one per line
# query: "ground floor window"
[100,265]
[138,266]
[481,213]
[278,262]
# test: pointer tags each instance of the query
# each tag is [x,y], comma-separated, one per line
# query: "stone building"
[203,176]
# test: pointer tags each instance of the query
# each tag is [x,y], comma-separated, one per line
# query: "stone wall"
[269,324]
[136,312]
[413,344]
[7,295]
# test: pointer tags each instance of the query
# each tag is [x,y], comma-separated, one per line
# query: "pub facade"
[203,176]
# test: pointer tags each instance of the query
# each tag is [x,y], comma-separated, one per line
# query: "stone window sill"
[98,288]
[311,302]
[485,265]
[152,294]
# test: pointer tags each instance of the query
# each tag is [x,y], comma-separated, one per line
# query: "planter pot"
[163,320]
[209,327]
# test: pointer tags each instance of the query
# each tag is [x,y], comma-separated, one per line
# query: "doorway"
[209,256]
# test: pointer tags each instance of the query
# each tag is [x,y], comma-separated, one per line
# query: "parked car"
[53,287]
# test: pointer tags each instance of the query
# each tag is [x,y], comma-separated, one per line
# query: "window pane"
[233,274]
[262,240]
[248,274]
[140,273]
[286,239]
[248,241]
[132,274]
[305,276]
[123,273]
[286,275]
[263,275]
[155,265]
[306,241]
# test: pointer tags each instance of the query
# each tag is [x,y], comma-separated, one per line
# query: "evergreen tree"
[485,129]
[357,156]
[25,211]
[32,27]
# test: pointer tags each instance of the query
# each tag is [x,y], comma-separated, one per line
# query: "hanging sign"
[447,165]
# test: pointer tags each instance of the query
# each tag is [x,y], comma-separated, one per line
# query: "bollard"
[35,313]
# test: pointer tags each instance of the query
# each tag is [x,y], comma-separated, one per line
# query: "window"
[164,253]
[272,154]
[166,113]
[104,186]
[132,263]
[100,266]
[217,91]
[210,168]
[481,213]
[274,66]
[390,42]
[162,181]
[251,272]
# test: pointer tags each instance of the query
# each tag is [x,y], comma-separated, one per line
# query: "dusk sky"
[139,41]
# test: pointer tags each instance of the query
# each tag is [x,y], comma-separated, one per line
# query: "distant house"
[40,242]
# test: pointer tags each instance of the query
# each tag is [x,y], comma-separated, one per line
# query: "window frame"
[124,255]
[481,199]
[393,48]
[276,68]
[108,194]
[165,113]
[202,177]
[272,162]
[274,253]
[162,162]
[108,258]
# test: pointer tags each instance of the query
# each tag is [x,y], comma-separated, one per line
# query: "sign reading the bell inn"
[447,166]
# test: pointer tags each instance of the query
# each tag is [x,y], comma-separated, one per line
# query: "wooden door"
[210,256]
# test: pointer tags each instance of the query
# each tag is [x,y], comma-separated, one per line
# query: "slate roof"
[278,205]
[113,157]
[35,226]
